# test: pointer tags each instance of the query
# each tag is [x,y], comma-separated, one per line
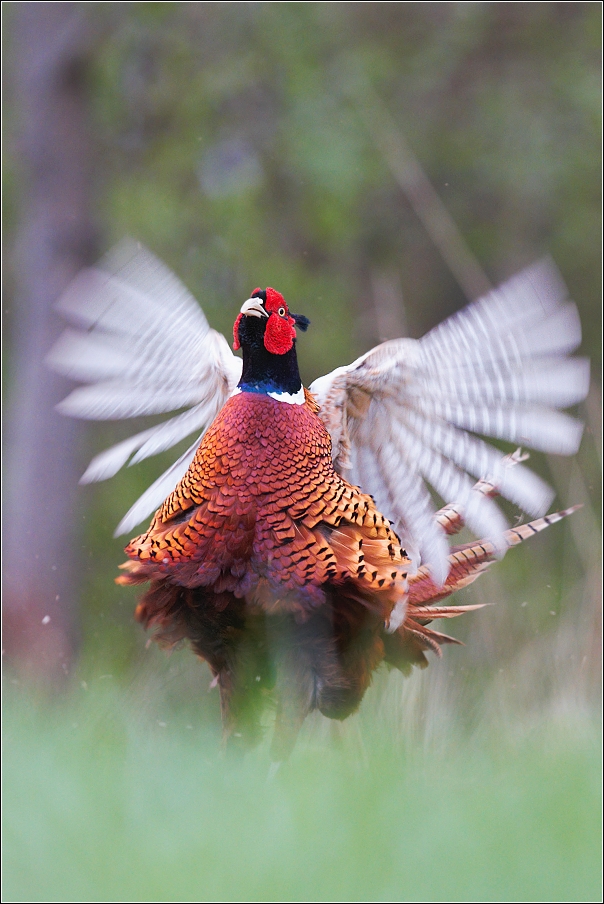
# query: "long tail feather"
[468,561]
[409,643]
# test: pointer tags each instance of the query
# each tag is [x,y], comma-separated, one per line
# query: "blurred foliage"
[230,141]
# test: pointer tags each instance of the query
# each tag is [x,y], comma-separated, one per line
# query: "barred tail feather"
[409,643]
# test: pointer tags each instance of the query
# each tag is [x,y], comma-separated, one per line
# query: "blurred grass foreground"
[380,164]
[106,804]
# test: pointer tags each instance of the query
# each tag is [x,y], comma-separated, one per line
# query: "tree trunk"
[50,45]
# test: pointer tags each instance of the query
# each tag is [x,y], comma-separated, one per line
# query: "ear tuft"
[301,321]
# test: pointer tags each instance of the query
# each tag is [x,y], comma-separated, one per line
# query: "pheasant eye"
[281,312]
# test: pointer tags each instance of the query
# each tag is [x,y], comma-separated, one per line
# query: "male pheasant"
[281,573]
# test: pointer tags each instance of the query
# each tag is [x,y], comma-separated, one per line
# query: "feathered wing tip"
[127,274]
[153,497]
[149,442]
[499,367]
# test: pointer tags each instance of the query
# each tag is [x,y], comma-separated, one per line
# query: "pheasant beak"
[253,307]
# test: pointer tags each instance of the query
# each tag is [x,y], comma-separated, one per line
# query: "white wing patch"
[404,415]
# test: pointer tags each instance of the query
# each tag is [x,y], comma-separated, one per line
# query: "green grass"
[104,802]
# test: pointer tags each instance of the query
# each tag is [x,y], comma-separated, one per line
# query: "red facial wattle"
[236,342]
[280,333]
[280,330]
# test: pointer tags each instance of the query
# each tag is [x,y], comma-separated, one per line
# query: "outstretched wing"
[142,345]
[405,415]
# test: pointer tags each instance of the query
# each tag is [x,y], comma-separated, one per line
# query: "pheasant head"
[266,332]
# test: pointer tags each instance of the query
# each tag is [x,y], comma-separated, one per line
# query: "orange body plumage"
[261,525]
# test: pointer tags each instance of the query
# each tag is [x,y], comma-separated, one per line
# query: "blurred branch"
[387,295]
[583,526]
[593,407]
[408,172]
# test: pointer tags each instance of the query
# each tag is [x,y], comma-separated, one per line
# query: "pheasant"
[295,545]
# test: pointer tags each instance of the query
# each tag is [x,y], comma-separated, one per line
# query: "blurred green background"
[378,163]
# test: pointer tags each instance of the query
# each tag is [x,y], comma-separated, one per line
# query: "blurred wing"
[404,415]
[142,345]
